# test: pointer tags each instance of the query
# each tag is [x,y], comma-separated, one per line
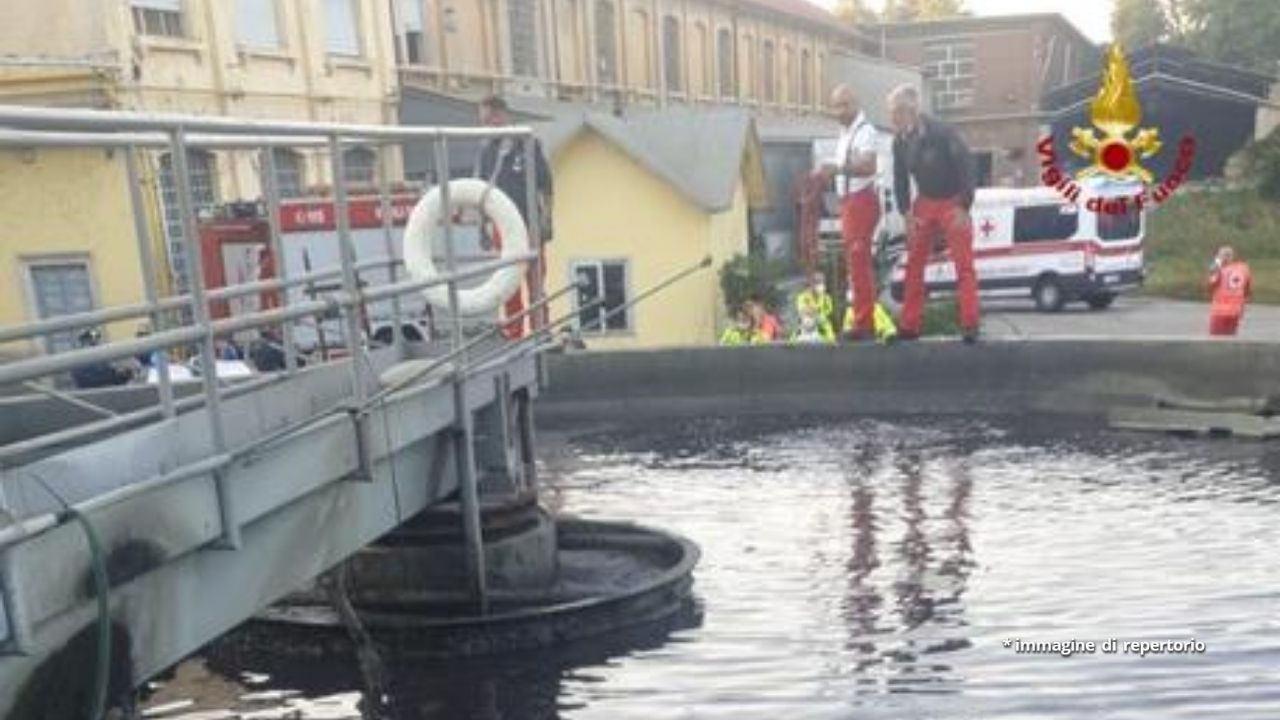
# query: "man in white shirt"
[854,166]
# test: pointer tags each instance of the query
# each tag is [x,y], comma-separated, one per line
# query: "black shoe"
[970,337]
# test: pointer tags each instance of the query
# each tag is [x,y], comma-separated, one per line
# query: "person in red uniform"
[855,164]
[932,153]
[502,162]
[1230,285]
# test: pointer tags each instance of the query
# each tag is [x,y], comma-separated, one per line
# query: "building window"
[823,87]
[604,281]
[724,61]
[606,44]
[204,197]
[1037,223]
[671,53]
[158,17]
[522,22]
[342,27]
[289,175]
[747,76]
[788,75]
[702,63]
[806,78]
[950,70]
[768,71]
[358,166]
[60,287]
[412,48]
[257,24]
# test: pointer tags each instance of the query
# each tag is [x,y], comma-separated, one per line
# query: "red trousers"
[929,217]
[859,214]
[1223,324]
[535,276]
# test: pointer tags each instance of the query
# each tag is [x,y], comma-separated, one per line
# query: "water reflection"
[841,576]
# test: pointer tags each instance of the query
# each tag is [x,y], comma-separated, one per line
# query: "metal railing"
[140,133]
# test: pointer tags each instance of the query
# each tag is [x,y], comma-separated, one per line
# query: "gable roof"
[699,153]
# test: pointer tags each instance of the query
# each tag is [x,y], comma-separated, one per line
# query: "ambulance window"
[1124,226]
[1043,222]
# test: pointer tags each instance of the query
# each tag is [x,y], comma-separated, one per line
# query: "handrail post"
[271,192]
[143,233]
[385,205]
[537,270]
[200,312]
[464,432]
[14,610]
[350,281]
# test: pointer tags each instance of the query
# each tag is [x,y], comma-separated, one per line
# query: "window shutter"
[342,27]
[256,24]
[165,5]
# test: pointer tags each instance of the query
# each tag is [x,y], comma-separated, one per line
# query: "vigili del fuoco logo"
[1115,147]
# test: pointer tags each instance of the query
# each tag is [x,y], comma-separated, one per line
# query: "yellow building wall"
[476,37]
[729,236]
[66,204]
[56,28]
[651,226]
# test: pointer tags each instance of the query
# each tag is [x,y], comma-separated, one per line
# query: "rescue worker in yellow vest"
[885,329]
[816,298]
[812,330]
[742,331]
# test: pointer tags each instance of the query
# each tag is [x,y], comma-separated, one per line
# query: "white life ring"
[504,282]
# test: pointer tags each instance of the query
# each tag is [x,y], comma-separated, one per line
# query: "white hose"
[426,216]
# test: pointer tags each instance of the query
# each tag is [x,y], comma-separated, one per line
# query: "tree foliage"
[1234,32]
[1262,165]
[854,11]
[1135,23]
[914,10]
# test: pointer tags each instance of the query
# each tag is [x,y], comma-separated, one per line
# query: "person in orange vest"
[1230,285]
[766,323]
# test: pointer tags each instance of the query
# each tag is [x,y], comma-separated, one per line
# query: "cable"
[102,673]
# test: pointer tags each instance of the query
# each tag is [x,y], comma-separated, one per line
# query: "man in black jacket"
[933,154]
[502,162]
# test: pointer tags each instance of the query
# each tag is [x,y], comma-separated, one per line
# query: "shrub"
[743,278]
[1262,165]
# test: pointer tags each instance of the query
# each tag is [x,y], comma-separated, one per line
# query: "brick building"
[988,75]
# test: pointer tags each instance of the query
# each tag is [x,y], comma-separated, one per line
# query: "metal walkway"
[211,500]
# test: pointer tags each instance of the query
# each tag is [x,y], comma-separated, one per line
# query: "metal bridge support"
[498,450]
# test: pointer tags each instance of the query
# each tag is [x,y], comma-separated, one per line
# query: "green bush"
[1262,166]
[940,318]
[744,278]
[1184,233]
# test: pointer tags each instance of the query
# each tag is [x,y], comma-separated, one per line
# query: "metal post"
[13,611]
[536,271]
[271,192]
[384,195]
[464,433]
[143,233]
[200,312]
[350,282]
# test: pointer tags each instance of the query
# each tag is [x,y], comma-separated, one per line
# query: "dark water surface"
[867,569]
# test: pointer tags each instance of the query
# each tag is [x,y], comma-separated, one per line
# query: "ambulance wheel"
[1048,294]
[1100,301]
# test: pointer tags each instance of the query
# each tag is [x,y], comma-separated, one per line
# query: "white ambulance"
[1032,242]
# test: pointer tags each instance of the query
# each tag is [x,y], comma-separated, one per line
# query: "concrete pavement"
[1128,317]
